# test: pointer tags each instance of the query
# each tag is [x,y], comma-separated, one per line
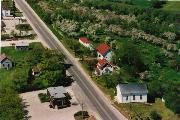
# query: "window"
[134,97]
[126,97]
[140,97]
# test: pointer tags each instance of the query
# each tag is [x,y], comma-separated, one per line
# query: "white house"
[104,67]
[5,11]
[131,92]
[5,62]
[104,52]
[86,43]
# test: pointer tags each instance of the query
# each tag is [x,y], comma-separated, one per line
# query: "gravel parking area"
[42,111]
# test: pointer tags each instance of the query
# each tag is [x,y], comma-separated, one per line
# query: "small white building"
[131,92]
[86,43]
[5,11]
[104,52]
[104,67]
[22,46]
[5,62]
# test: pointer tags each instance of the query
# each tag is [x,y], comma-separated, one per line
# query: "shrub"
[155,116]
[78,115]
[43,97]
[5,36]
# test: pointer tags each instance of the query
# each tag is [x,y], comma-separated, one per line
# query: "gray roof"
[22,44]
[57,92]
[133,88]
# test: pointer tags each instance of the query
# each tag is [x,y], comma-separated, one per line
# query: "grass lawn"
[18,58]
[143,110]
[173,6]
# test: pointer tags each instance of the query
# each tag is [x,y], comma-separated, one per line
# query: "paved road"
[103,106]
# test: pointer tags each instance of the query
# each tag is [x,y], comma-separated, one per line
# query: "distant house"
[5,62]
[58,97]
[103,67]
[131,92]
[5,11]
[85,42]
[36,71]
[22,46]
[104,52]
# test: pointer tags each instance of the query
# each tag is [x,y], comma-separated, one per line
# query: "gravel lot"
[41,111]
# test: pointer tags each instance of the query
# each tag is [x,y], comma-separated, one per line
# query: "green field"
[172,6]
[20,64]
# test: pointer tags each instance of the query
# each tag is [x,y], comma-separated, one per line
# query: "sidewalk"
[11,43]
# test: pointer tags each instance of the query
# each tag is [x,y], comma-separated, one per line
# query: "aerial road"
[97,98]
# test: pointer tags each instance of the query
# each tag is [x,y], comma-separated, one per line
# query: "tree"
[155,116]
[128,55]
[20,79]
[11,107]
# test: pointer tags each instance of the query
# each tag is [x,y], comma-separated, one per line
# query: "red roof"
[84,40]
[102,62]
[103,48]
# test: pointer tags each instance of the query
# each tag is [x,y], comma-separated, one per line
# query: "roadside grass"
[143,110]
[172,6]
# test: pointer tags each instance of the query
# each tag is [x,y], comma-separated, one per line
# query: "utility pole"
[82,106]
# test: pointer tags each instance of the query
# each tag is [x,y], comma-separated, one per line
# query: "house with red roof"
[86,43]
[104,67]
[5,62]
[104,52]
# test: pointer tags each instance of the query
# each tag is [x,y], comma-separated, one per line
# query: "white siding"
[119,95]
[99,56]
[6,13]
[123,98]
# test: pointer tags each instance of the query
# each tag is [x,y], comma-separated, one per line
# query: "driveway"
[11,43]
[42,111]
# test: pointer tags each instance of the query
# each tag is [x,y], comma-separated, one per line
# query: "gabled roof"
[57,92]
[103,48]
[36,69]
[3,57]
[102,62]
[84,40]
[133,88]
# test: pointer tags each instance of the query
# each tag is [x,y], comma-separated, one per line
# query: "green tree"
[155,116]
